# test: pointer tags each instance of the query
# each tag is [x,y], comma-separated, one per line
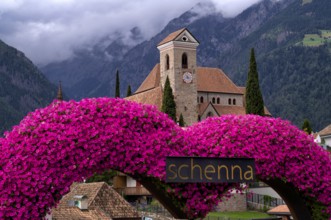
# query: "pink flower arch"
[69,141]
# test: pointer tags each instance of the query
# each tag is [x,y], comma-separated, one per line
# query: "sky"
[51,30]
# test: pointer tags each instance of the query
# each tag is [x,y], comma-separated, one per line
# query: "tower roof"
[177,34]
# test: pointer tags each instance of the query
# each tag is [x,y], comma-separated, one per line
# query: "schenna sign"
[211,170]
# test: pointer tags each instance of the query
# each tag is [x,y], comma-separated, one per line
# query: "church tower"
[178,52]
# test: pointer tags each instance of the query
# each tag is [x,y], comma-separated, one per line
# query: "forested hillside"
[23,88]
[295,69]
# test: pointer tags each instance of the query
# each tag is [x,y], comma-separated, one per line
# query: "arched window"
[234,101]
[167,66]
[229,101]
[184,61]
[213,100]
[209,114]
[201,99]
[218,100]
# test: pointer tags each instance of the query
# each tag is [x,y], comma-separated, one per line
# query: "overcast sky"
[49,30]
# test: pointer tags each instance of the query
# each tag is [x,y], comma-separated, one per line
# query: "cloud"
[51,30]
[231,8]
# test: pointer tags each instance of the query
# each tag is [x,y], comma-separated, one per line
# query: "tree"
[117,91]
[168,102]
[128,92]
[306,126]
[106,176]
[254,99]
[181,120]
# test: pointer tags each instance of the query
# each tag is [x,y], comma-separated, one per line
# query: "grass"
[313,40]
[241,215]
[326,33]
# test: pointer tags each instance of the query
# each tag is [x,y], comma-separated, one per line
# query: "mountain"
[290,38]
[23,88]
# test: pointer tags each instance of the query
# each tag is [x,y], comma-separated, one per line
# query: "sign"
[210,170]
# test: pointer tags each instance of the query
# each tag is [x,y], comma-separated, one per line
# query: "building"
[131,189]
[199,92]
[93,201]
[324,138]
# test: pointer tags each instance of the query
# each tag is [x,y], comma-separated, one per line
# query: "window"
[167,62]
[198,99]
[209,114]
[201,99]
[184,61]
[234,101]
[213,100]
[199,118]
[218,100]
[229,101]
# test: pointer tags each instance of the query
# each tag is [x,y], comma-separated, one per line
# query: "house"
[324,138]
[131,189]
[93,201]
[199,92]
[281,211]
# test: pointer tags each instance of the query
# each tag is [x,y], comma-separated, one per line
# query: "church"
[199,92]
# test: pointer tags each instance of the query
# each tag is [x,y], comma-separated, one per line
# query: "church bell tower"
[178,53]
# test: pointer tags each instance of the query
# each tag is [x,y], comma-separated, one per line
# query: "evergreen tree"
[117,91]
[168,102]
[181,120]
[128,92]
[254,99]
[306,126]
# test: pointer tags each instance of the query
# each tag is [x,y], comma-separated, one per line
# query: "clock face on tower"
[187,77]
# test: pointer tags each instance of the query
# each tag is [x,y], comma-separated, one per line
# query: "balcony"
[133,191]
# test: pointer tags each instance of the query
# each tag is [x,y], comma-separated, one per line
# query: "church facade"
[199,92]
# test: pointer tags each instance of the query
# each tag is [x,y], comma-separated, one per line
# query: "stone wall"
[236,203]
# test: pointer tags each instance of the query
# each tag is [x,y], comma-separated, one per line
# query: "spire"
[59,92]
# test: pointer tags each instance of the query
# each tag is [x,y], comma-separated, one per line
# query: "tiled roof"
[151,97]
[325,131]
[171,36]
[151,81]
[280,210]
[230,109]
[103,203]
[215,80]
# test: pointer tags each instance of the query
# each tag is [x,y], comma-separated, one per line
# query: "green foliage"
[306,126]
[168,102]
[318,210]
[254,100]
[128,92]
[106,176]
[117,87]
[181,121]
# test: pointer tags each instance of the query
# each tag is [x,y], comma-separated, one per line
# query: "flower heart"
[69,141]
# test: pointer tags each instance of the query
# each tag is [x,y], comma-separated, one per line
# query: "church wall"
[224,98]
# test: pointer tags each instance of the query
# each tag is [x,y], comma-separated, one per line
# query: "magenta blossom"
[69,141]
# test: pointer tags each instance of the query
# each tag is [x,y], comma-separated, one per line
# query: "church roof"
[230,110]
[151,96]
[151,81]
[171,36]
[103,203]
[215,80]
